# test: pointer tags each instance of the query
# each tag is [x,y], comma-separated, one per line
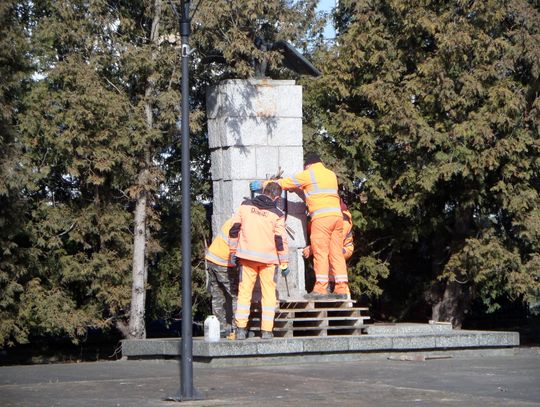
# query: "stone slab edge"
[321,345]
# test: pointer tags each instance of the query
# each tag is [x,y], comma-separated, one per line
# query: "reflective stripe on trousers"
[327,246]
[249,270]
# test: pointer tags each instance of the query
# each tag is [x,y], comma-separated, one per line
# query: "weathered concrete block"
[234,192]
[141,347]
[246,131]
[414,342]
[239,163]
[279,347]
[260,131]
[225,348]
[254,97]
[328,344]
[498,339]
[298,224]
[407,329]
[171,347]
[294,286]
[286,131]
[216,164]
[216,128]
[456,340]
[360,343]
[291,160]
[267,162]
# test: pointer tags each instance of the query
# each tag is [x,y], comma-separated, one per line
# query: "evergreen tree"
[99,146]
[434,105]
[15,255]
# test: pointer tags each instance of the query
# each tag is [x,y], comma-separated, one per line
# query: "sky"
[327,6]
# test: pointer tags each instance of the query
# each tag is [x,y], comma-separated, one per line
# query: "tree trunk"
[137,328]
[138,289]
[451,300]
[453,305]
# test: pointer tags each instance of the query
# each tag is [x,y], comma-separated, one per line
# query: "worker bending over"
[321,189]
[259,242]
[223,279]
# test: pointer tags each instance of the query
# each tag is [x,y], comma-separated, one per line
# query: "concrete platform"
[382,340]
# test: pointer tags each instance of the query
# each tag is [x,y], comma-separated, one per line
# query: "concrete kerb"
[309,349]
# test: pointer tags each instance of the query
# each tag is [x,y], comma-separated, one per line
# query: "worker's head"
[272,190]
[310,159]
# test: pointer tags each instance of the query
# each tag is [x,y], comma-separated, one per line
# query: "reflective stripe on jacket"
[259,230]
[219,251]
[321,188]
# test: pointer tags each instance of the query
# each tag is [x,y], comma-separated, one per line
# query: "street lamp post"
[187,391]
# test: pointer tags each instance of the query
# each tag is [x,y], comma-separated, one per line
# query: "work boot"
[240,334]
[266,335]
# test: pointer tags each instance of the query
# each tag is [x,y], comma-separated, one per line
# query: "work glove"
[255,185]
[234,259]
[284,269]
[306,252]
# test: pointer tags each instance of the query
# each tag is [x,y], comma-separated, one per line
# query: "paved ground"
[472,381]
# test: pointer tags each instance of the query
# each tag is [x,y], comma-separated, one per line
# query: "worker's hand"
[255,185]
[234,259]
[284,267]
[306,252]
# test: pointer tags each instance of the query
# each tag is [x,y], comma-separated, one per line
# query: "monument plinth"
[254,128]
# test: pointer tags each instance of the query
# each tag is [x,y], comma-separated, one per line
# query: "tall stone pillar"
[255,127]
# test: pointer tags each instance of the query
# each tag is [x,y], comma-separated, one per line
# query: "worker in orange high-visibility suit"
[259,242]
[222,279]
[320,186]
[348,242]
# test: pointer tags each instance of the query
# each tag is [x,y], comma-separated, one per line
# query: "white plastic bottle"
[211,329]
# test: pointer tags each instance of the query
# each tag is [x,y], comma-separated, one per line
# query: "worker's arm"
[348,245]
[299,180]
[234,232]
[282,246]
[280,238]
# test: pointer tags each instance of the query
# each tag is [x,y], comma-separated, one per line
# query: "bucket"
[211,329]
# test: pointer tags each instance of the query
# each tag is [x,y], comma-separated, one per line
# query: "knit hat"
[311,158]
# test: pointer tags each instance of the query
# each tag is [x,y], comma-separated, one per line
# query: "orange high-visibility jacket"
[348,244]
[321,188]
[219,251]
[258,232]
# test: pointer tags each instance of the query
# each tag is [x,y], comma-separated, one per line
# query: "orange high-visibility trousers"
[249,270]
[327,246]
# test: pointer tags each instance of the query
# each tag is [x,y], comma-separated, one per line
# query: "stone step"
[407,328]
[320,348]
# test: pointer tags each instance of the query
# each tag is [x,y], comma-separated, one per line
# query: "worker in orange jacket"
[259,242]
[320,186]
[348,242]
[222,279]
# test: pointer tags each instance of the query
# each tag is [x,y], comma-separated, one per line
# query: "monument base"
[413,340]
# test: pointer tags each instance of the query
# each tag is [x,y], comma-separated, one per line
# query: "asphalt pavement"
[510,380]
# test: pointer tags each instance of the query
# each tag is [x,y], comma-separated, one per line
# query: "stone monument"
[255,128]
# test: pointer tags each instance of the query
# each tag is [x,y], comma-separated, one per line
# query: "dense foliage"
[433,108]
[428,109]
[90,106]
